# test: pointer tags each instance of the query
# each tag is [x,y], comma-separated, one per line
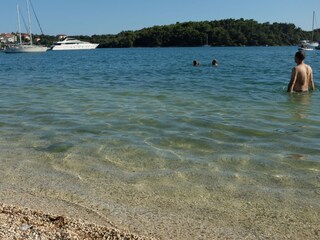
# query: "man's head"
[300,56]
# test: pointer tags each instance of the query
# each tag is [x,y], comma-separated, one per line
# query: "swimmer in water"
[301,75]
[196,63]
[214,62]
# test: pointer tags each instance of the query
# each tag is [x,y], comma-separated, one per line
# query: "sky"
[88,17]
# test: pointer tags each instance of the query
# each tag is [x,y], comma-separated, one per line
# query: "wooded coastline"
[228,32]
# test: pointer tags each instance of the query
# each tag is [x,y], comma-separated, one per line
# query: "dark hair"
[300,55]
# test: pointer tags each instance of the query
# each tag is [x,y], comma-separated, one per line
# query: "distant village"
[10,38]
[6,38]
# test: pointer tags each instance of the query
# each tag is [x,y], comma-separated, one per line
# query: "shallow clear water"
[141,134]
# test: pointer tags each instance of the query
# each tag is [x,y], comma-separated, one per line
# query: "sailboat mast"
[19,28]
[312,26]
[29,22]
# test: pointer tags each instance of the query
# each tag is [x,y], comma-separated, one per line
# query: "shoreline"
[23,223]
[39,218]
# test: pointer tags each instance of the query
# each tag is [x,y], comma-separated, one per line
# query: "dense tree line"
[228,32]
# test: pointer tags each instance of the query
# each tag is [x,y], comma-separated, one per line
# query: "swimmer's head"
[214,62]
[196,63]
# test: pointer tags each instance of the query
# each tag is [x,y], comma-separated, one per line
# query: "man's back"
[301,76]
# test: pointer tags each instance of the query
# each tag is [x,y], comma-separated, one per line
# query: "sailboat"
[313,43]
[306,44]
[24,47]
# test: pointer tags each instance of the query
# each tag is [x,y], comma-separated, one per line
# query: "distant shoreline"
[227,32]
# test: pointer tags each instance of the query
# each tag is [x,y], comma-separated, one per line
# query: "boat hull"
[305,49]
[25,49]
[62,47]
[313,44]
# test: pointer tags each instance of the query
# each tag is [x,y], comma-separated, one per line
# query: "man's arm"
[311,83]
[293,80]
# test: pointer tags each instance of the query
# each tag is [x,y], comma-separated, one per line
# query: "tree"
[227,32]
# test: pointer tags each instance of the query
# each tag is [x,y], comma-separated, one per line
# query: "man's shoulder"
[295,68]
[308,67]
[302,66]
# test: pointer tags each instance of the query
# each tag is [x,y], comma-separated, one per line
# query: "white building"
[8,38]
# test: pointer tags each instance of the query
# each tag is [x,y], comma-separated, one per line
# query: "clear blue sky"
[88,17]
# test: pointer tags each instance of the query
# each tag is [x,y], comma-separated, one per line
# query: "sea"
[162,148]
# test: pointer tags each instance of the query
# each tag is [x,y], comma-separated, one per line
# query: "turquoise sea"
[163,148]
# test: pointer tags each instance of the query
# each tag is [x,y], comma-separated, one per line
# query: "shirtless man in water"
[301,75]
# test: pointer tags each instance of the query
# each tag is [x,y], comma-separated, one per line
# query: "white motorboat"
[73,44]
[24,47]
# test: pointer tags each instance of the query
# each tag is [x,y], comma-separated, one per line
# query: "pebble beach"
[23,223]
